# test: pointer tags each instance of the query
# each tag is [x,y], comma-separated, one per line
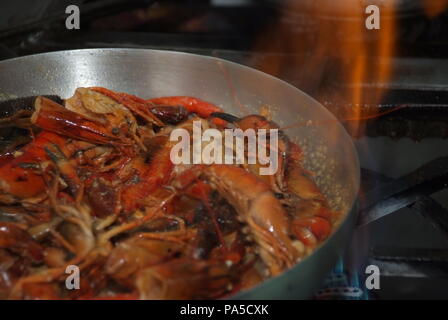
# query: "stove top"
[402,149]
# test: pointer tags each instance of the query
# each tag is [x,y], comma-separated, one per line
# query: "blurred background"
[388,86]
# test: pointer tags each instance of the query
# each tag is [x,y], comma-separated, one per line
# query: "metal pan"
[239,90]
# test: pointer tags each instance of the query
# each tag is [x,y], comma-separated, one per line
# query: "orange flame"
[341,37]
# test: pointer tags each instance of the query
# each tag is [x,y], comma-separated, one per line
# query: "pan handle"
[413,189]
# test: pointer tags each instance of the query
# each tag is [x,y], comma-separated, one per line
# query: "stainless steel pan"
[240,90]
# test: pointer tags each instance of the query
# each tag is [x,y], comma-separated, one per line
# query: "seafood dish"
[93,207]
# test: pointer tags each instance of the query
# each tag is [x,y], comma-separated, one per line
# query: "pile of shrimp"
[92,186]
